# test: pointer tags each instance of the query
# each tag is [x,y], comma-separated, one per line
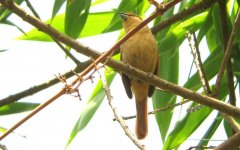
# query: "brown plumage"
[139,51]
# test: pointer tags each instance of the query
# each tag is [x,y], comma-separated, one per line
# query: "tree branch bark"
[154,80]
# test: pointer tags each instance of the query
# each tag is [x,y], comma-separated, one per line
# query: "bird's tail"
[141,118]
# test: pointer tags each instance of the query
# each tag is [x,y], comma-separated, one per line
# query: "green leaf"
[206,26]
[169,63]
[91,27]
[5,13]
[211,130]
[184,128]
[17,108]
[178,33]
[92,105]
[211,66]
[76,16]
[57,5]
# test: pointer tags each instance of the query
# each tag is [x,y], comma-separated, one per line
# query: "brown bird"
[139,51]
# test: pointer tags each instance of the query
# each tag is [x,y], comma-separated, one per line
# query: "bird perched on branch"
[139,51]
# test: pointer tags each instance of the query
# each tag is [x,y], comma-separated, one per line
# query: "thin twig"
[118,117]
[32,9]
[35,111]
[154,80]
[193,43]
[33,90]
[227,54]
[74,44]
[158,110]
[198,62]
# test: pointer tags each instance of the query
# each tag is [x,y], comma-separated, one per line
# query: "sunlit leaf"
[91,27]
[178,33]
[92,105]
[17,108]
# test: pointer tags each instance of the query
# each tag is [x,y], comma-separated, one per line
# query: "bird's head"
[130,20]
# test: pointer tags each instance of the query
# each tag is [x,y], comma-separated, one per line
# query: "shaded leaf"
[5,13]
[76,16]
[184,128]
[211,66]
[169,63]
[57,5]
[211,130]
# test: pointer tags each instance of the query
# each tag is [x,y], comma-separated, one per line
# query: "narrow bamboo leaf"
[185,127]
[76,16]
[92,105]
[178,33]
[169,65]
[17,108]
[211,66]
[206,26]
[5,13]
[236,60]
[91,27]
[211,130]
[57,5]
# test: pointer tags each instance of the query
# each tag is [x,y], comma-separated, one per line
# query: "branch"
[158,110]
[119,118]
[201,6]
[205,4]
[13,98]
[198,62]
[119,66]
[231,143]
[227,54]
[74,44]
[225,34]
[32,9]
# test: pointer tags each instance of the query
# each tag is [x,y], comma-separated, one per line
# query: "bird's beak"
[123,16]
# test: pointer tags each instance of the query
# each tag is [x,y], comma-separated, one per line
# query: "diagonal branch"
[202,5]
[232,143]
[13,98]
[119,66]
[227,54]
[74,44]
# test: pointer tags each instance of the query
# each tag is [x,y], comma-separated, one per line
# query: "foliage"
[80,21]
